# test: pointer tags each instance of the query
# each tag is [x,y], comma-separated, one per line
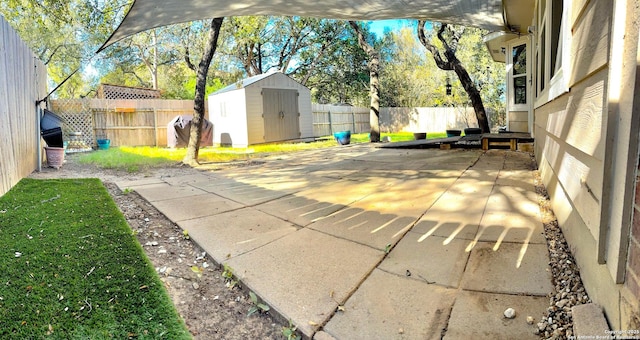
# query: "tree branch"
[187,59]
[437,56]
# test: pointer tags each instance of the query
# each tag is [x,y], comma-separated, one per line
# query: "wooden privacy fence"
[125,122]
[328,119]
[144,122]
[426,119]
[23,82]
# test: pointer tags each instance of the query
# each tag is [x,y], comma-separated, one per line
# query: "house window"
[552,36]
[556,29]
[519,60]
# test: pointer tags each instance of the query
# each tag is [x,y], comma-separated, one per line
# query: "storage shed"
[269,107]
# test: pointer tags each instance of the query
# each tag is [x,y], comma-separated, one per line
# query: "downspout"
[38,112]
[38,137]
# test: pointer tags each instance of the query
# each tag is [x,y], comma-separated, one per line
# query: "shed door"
[281,117]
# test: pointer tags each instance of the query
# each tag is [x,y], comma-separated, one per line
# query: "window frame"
[552,83]
[513,106]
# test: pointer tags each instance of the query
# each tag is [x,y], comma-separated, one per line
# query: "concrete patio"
[359,242]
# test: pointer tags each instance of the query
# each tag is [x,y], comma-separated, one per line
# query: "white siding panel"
[570,131]
[306,114]
[587,125]
[426,119]
[255,122]
[590,41]
[518,121]
[228,115]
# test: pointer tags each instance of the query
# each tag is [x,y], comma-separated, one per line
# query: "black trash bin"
[53,137]
[50,121]
[51,129]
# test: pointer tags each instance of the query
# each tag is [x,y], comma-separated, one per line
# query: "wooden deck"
[511,140]
[486,141]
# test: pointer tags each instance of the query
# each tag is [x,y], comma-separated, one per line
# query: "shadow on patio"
[364,242]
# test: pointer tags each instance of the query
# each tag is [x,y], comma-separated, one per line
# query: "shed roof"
[248,81]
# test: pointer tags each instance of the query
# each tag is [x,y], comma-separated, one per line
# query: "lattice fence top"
[107,91]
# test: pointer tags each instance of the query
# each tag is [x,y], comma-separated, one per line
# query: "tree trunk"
[374,108]
[447,60]
[474,95]
[374,84]
[191,157]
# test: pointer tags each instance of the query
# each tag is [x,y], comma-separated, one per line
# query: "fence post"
[353,119]
[330,124]
[155,125]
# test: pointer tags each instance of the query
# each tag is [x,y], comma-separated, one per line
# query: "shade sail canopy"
[147,14]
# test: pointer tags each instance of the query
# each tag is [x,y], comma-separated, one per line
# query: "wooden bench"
[500,139]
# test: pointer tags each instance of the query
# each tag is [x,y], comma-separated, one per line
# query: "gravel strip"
[557,321]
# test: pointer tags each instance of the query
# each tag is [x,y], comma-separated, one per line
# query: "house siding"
[571,134]
[572,171]
[518,121]
[591,39]
[585,144]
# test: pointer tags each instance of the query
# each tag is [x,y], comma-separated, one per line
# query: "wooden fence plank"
[116,119]
[125,122]
[22,83]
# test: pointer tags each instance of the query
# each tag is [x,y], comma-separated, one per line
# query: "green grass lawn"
[134,159]
[72,268]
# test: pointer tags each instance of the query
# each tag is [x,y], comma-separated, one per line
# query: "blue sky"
[379,26]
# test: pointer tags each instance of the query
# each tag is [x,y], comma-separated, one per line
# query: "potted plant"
[453,133]
[419,135]
[343,137]
[55,156]
[472,131]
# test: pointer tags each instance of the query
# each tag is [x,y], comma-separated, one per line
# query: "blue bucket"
[103,144]
[343,137]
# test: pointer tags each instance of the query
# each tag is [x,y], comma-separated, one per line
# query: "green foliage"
[290,333]
[227,272]
[213,85]
[72,269]
[139,159]
[227,275]
[257,306]
[341,76]
[321,54]
[64,34]
[198,271]
[126,159]
[410,77]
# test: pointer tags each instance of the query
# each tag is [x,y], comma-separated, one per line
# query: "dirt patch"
[210,308]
